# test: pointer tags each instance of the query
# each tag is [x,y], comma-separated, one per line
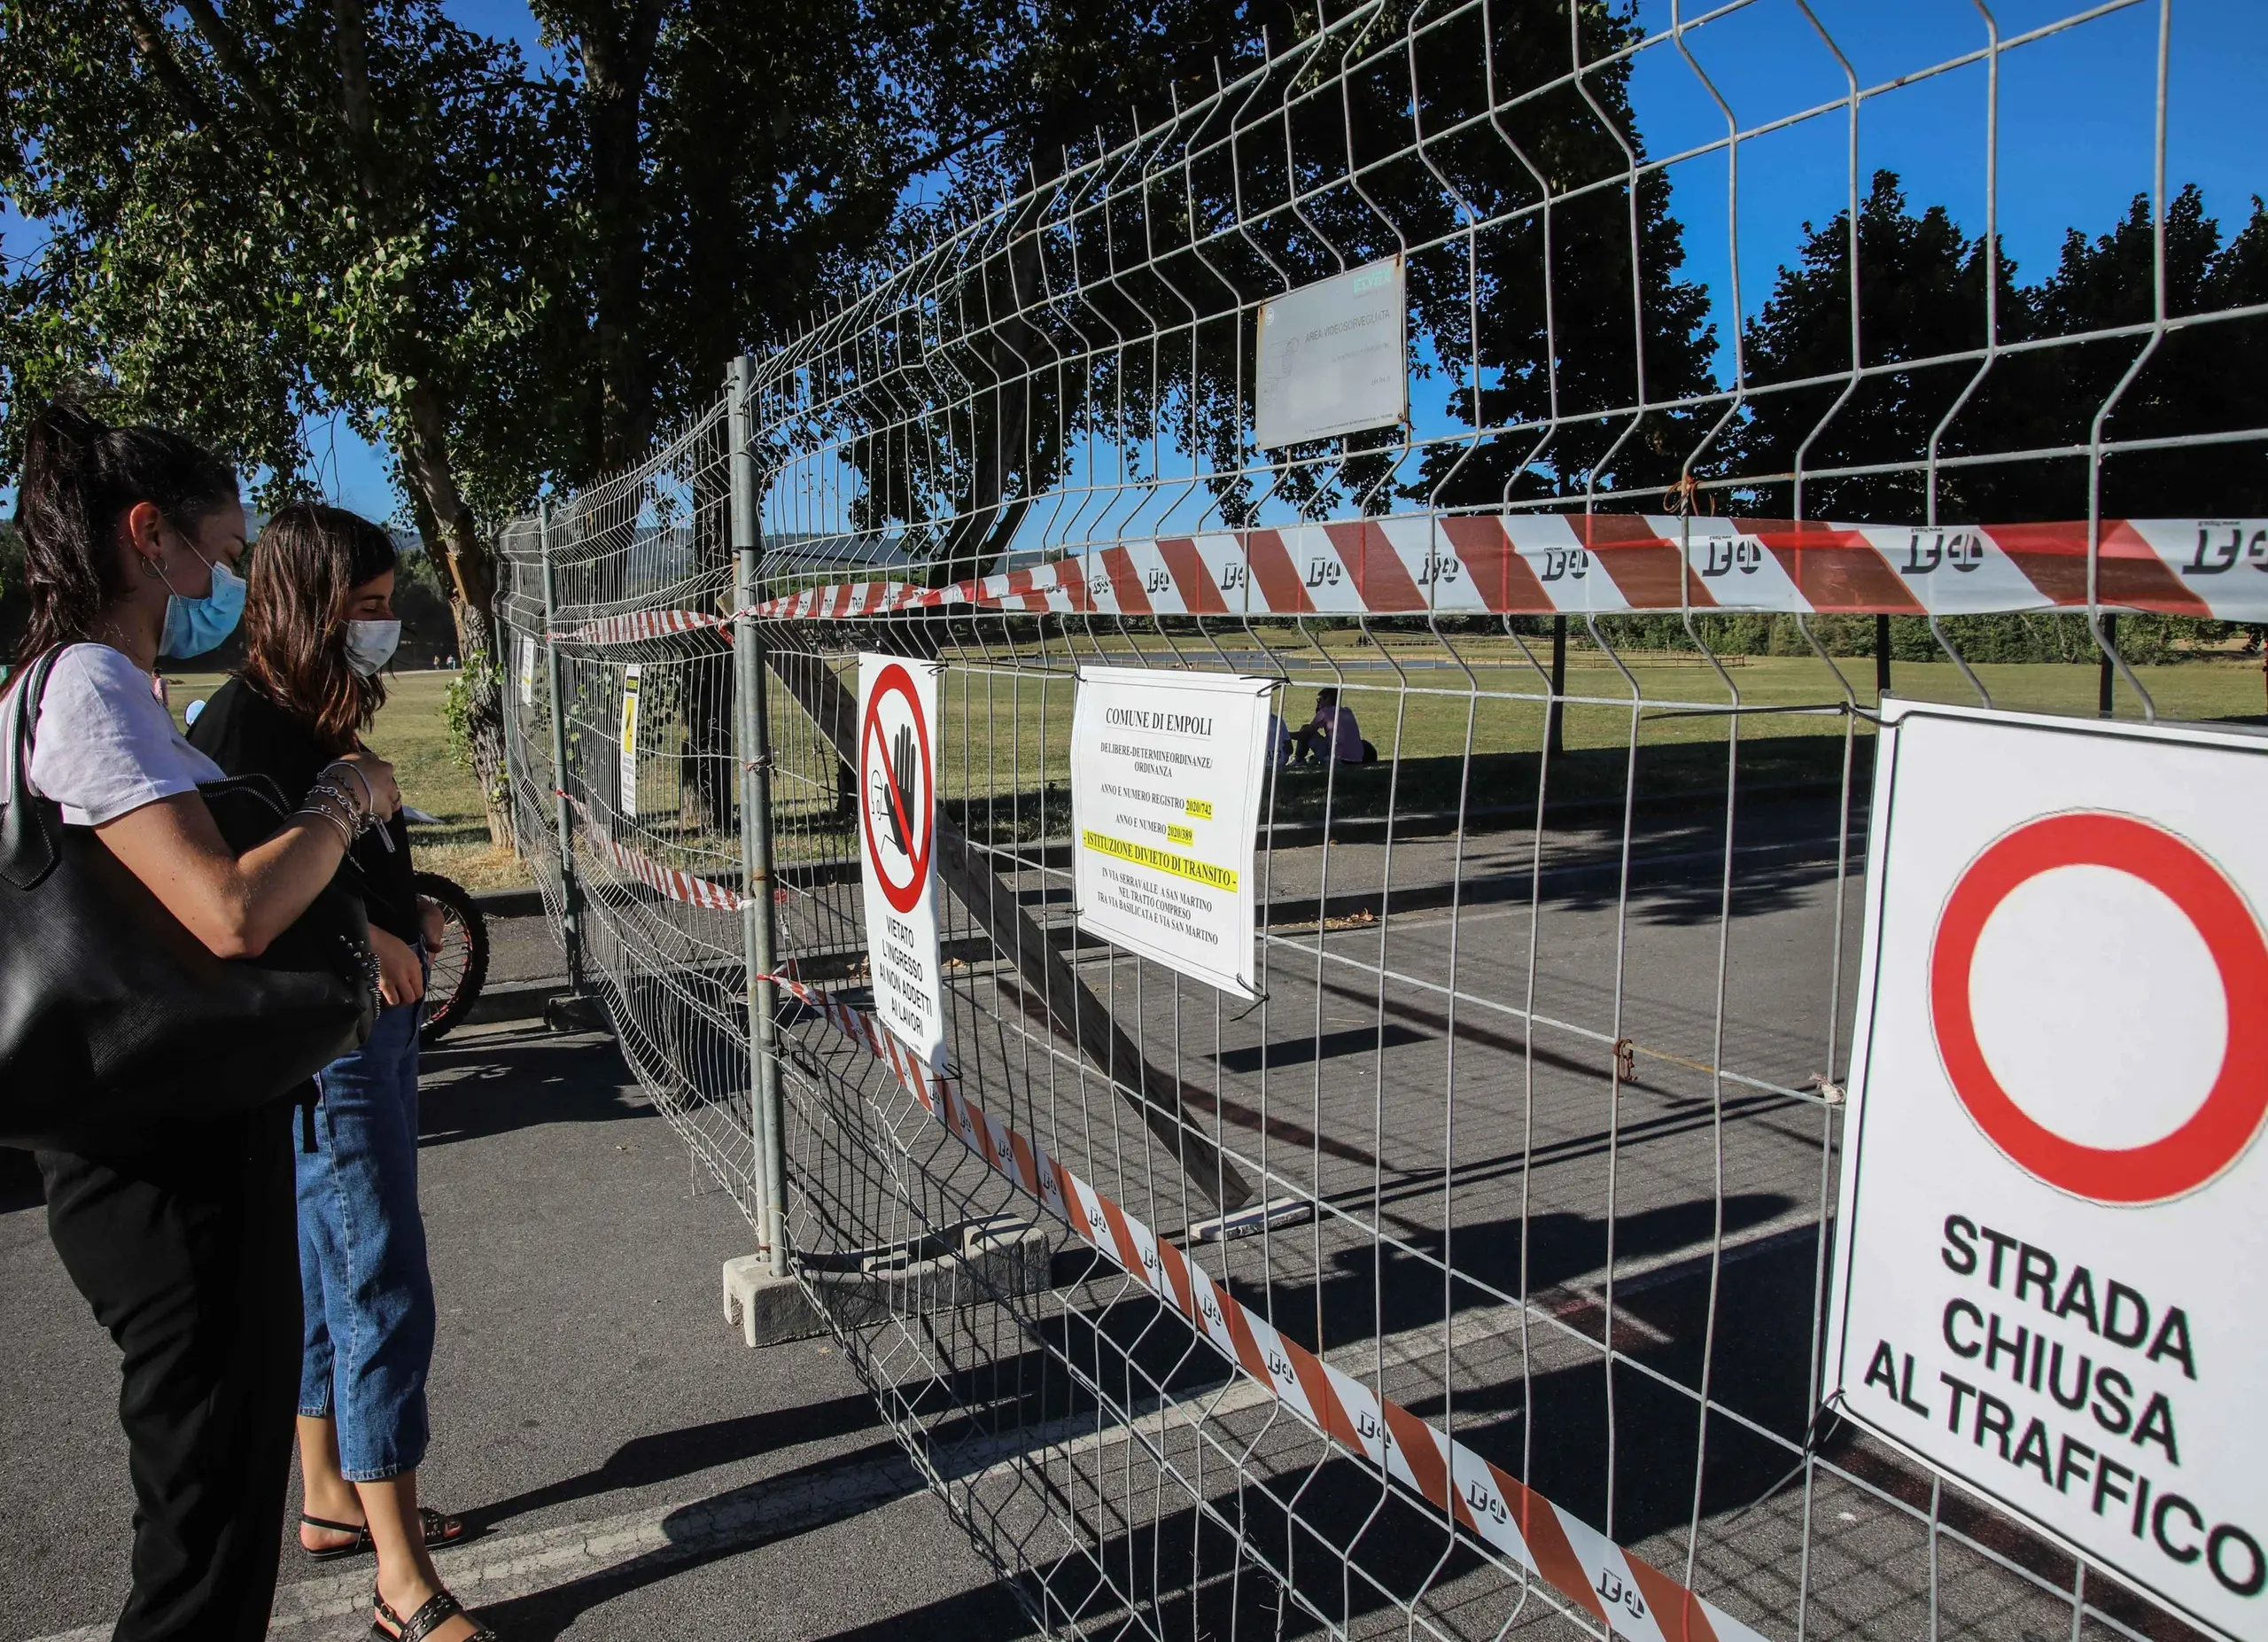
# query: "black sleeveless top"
[246,734]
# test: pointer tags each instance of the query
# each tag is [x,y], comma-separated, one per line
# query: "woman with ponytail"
[180,1239]
[319,628]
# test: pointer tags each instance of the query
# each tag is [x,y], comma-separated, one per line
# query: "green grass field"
[1007,734]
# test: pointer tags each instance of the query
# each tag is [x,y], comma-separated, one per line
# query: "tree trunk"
[444,519]
[616,64]
[1001,443]
[445,522]
[707,774]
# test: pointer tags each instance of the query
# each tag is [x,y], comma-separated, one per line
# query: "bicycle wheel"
[460,967]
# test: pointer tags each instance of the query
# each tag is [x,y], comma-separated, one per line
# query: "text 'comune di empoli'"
[1167,723]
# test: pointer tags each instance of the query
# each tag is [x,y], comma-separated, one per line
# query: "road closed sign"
[898,835]
[2054,1199]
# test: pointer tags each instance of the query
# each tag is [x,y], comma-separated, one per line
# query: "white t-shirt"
[102,747]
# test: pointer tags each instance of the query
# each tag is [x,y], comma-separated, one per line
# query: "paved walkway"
[633,1470]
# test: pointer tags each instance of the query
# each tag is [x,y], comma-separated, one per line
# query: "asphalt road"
[1435,1061]
[634,1471]
[638,1472]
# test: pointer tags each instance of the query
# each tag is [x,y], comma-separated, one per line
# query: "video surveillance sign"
[1334,357]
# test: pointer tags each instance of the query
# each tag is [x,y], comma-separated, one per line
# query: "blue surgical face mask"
[195,625]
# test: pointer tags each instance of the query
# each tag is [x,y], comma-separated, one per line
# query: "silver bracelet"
[361,820]
[325,782]
[339,806]
[370,799]
[346,839]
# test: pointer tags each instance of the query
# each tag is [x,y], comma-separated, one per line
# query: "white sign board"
[897,832]
[1166,771]
[1333,357]
[627,776]
[2054,1206]
[527,670]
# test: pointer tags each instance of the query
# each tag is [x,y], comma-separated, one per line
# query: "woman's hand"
[401,977]
[431,923]
[377,776]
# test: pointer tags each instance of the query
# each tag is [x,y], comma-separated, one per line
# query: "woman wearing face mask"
[319,628]
[180,1239]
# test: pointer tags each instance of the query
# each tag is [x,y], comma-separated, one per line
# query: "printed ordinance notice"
[1166,769]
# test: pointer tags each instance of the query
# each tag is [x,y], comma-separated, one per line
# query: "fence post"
[505,639]
[1555,722]
[753,740]
[570,897]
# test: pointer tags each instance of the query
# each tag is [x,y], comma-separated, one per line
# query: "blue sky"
[2075,135]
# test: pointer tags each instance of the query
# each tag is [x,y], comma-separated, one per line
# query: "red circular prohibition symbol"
[896,680]
[2220,1129]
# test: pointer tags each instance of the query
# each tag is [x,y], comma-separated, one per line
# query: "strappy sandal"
[437,1612]
[441,1530]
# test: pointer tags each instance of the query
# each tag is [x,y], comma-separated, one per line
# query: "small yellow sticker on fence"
[1181,835]
[1160,860]
[1201,808]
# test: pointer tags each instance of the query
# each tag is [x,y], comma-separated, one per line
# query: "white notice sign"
[1332,358]
[1166,770]
[2055,1205]
[898,831]
[527,670]
[627,776]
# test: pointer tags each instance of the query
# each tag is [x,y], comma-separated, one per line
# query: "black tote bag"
[116,1021]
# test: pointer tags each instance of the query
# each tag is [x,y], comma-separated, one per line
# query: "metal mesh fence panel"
[1469,1278]
[646,783]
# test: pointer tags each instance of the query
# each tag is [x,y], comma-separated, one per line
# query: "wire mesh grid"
[646,782]
[1535,1126]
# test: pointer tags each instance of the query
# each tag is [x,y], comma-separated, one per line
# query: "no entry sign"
[2053,1204]
[898,831]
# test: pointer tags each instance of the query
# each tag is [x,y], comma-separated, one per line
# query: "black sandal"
[439,1530]
[438,1611]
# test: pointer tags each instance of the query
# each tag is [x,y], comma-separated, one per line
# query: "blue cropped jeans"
[368,1298]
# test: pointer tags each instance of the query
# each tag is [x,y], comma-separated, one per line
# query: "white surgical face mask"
[370,645]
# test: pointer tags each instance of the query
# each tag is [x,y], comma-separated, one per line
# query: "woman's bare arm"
[235,903]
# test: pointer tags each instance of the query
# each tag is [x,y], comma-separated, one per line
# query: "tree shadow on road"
[473,1090]
[665,1456]
[546,1615]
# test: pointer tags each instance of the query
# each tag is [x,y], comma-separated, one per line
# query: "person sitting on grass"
[1332,733]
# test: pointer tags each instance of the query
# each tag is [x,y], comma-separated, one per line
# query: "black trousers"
[189,1255]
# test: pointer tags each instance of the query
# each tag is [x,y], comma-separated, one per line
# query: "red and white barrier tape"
[1554,564]
[671,883]
[1606,1581]
[1541,564]
[640,625]
[832,603]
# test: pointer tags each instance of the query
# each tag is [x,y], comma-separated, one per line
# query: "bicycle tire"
[462,968]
